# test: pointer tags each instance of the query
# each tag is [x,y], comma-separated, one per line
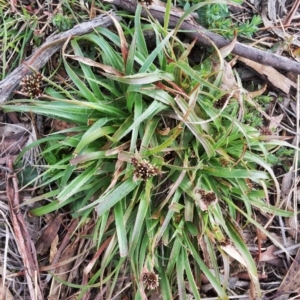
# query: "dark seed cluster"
[224,162]
[207,197]
[148,2]
[249,183]
[265,131]
[31,85]
[143,169]
[224,242]
[221,102]
[150,280]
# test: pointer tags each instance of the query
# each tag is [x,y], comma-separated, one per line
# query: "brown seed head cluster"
[220,103]
[249,183]
[207,197]
[225,242]
[265,131]
[150,280]
[224,162]
[31,85]
[143,169]
[148,2]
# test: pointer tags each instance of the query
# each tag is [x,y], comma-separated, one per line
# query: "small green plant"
[248,28]
[14,41]
[252,116]
[282,157]
[62,22]
[216,17]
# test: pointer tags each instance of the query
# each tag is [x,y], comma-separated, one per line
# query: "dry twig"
[205,37]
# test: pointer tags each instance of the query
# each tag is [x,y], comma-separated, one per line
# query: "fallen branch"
[44,53]
[204,36]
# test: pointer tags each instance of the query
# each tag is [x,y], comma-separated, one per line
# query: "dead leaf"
[14,143]
[275,78]
[13,4]
[231,251]
[226,50]
[258,92]
[205,253]
[268,254]
[292,226]
[291,281]
[228,78]
[271,24]
[46,239]
[10,129]
[296,54]
[287,182]
[59,125]
[275,122]
[164,132]
[90,62]
[93,11]
[124,45]
[53,249]
[62,272]
[119,167]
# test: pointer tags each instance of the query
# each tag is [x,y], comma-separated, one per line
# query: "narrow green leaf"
[76,184]
[154,108]
[138,225]
[120,227]
[220,291]
[180,274]
[87,71]
[155,52]
[94,132]
[141,78]
[235,173]
[165,284]
[173,256]
[190,276]
[243,250]
[120,192]
[141,43]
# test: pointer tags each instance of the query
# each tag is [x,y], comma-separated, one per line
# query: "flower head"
[31,85]
[150,279]
[144,169]
[265,131]
[206,198]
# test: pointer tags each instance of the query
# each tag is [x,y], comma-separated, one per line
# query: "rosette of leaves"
[139,114]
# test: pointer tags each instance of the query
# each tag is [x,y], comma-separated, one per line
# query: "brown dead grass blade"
[62,272]
[46,239]
[271,75]
[291,281]
[25,245]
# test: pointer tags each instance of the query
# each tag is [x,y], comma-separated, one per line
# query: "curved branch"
[44,53]
[204,36]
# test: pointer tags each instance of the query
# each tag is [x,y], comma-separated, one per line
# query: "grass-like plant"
[15,33]
[162,155]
